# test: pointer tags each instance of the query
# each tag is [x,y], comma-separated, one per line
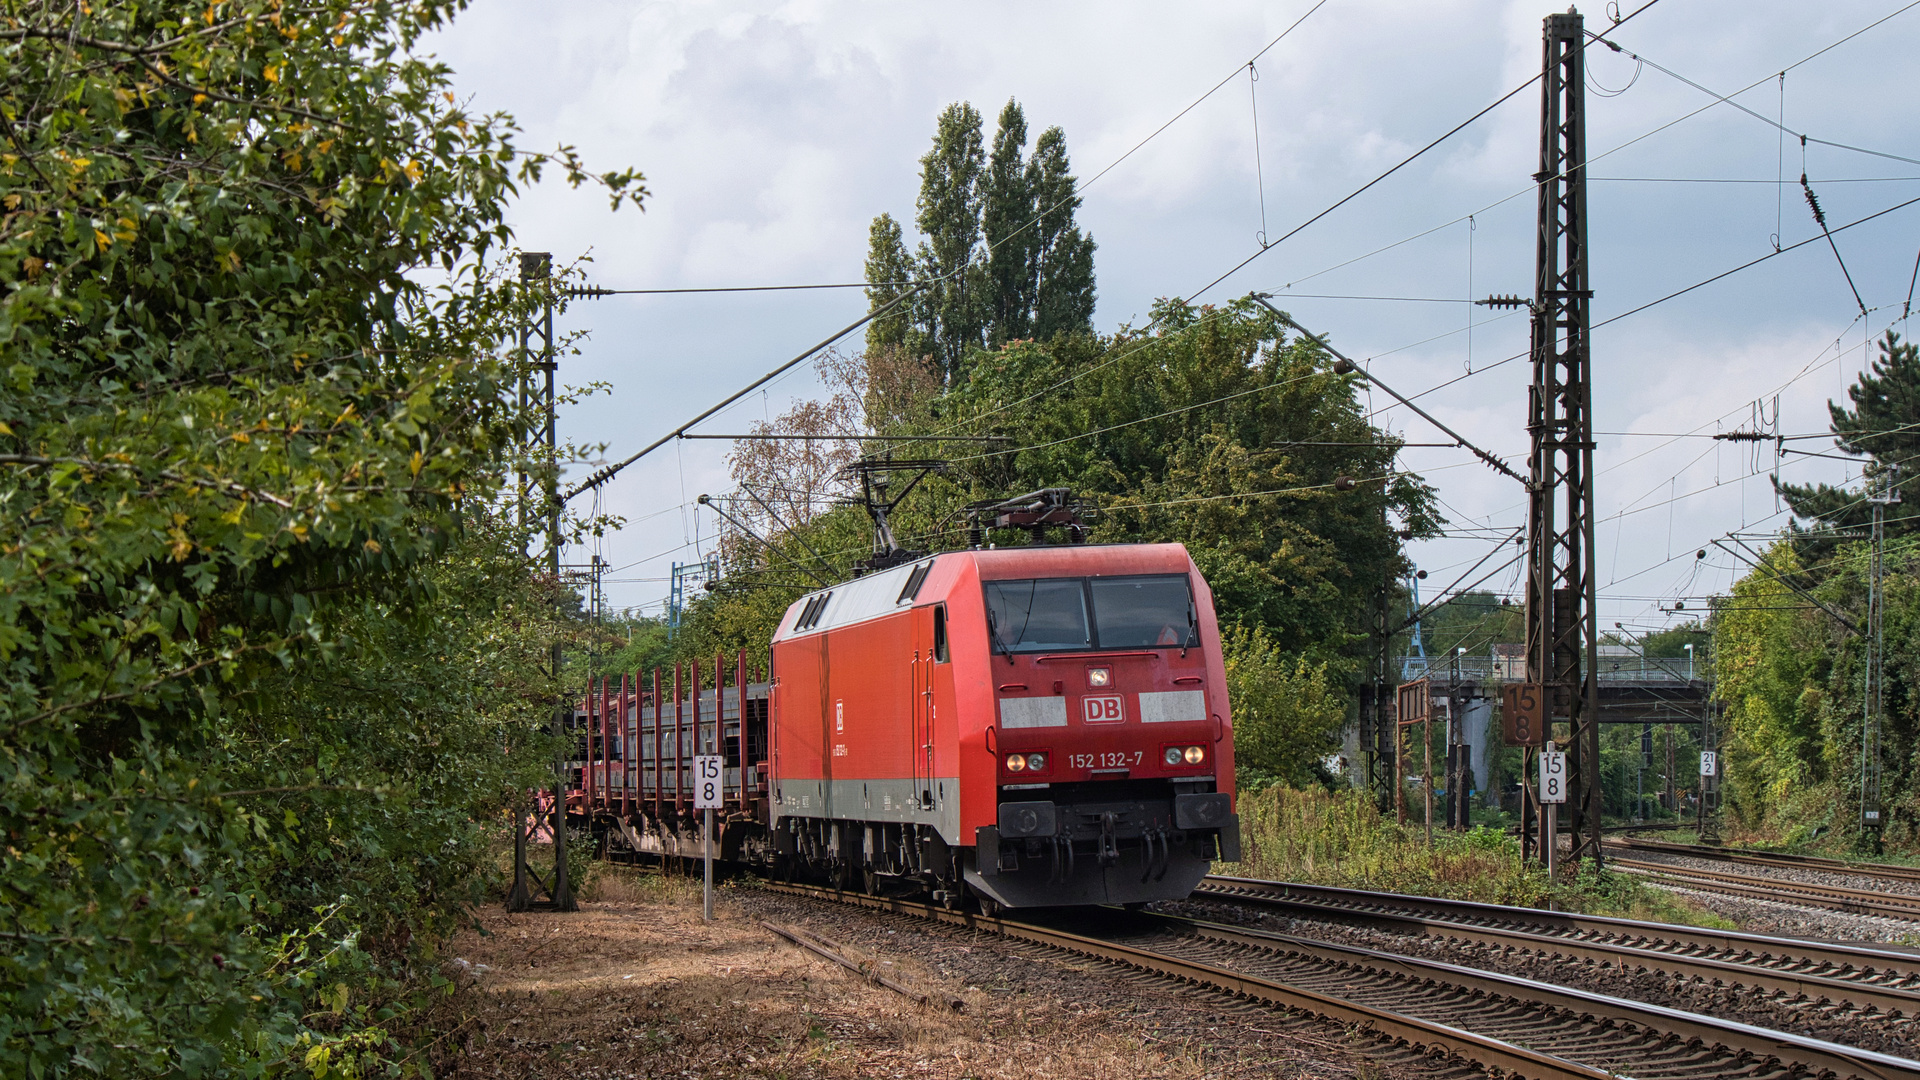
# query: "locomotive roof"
[877,594]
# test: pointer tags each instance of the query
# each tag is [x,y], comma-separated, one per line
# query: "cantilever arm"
[1491,459]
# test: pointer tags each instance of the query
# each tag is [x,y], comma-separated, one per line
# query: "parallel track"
[1503,1024]
[1884,871]
[1863,978]
[1832,897]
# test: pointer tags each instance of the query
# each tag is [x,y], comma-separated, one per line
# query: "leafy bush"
[265,663]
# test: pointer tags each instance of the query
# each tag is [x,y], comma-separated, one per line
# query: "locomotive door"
[922,706]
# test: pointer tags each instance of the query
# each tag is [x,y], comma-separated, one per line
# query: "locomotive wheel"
[870,882]
[989,907]
[842,876]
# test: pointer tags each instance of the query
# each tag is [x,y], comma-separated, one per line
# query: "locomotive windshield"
[1128,613]
[1031,615]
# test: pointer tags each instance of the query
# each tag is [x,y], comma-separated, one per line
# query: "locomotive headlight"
[1099,676]
[1196,754]
[1173,755]
[1036,762]
[1016,762]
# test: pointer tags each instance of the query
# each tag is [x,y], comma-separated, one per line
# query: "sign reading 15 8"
[706,781]
[1553,776]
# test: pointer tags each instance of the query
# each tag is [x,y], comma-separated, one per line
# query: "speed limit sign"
[1553,776]
[706,781]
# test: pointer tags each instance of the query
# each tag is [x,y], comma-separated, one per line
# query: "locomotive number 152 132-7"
[1113,759]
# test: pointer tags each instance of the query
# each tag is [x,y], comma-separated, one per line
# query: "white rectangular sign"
[1553,776]
[707,770]
[1709,762]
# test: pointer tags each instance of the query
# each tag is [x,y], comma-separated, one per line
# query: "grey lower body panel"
[934,802]
[1116,846]
[1045,882]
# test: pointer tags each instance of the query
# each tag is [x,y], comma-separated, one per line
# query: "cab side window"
[940,634]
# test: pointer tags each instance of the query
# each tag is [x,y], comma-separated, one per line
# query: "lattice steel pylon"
[537,386]
[1562,625]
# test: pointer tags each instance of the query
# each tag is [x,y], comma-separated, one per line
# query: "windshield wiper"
[993,631]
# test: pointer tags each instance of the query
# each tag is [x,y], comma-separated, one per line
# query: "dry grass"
[636,985]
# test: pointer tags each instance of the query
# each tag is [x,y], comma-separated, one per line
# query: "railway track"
[1505,1025]
[1832,897]
[1778,859]
[1865,980]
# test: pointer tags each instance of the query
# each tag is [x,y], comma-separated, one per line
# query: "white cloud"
[771,134]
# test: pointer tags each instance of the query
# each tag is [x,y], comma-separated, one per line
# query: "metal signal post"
[1561,621]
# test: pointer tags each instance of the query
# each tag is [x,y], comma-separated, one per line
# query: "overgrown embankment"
[1341,839]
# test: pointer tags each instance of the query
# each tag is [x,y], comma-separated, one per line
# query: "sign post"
[1553,792]
[707,771]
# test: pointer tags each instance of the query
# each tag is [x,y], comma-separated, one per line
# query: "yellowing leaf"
[416,463]
[271,73]
[241,436]
[4,429]
[102,238]
[373,546]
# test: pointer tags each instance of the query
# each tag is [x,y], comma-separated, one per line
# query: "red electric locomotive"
[1028,726]
[1048,724]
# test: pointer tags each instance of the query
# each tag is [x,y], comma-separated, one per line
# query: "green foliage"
[1210,429]
[1001,257]
[1472,621]
[1341,839]
[1883,426]
[1287,710]
[243,774]
[1791,678]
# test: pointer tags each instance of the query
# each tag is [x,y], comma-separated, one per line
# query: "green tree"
[243,453]
[1883,428]
[1011,234]
[889,269]
[1287,710]
[1001,257]
[955,302]
[1062,256]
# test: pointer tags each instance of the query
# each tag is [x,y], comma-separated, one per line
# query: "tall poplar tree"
[1007,224]
[1000,258]
[949,220]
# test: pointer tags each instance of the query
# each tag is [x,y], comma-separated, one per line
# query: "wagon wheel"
[870,881]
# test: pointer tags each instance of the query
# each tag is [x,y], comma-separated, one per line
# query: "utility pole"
[1561,620]
[1882,491]
[536,340]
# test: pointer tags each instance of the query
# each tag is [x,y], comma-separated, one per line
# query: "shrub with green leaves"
[242,450]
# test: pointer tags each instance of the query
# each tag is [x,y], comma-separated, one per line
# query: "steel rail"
[1753,971]
[1688,1030]
[1495,1055]
[1833,897]
[1836,954]
[1887,871]
[1765,1044]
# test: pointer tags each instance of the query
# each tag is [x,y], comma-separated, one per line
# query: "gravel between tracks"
[641,987]
[1897,1037]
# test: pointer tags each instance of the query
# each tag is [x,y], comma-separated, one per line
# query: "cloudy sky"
[772,134]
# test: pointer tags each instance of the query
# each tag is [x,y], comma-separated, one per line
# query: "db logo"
[1102,710]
